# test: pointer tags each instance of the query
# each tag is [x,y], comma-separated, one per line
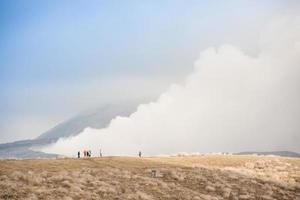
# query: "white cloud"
[231,102]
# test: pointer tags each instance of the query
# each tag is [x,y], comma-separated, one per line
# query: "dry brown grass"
[188,177]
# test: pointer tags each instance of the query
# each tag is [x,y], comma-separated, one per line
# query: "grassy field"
[208,177]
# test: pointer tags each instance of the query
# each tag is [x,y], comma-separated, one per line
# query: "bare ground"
[207,177]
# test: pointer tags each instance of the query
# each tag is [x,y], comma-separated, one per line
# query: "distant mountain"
[275,153]
[21,149]
[97,118]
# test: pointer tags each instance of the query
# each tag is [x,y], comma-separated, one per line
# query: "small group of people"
[86,153]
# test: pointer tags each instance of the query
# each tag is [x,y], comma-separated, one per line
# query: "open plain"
[207,177]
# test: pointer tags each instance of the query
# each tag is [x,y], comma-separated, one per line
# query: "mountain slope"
[97,118]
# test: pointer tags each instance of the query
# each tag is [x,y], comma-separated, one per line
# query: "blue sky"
[59,58]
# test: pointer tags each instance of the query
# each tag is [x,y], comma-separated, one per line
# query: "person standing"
[140,154]
[78,154]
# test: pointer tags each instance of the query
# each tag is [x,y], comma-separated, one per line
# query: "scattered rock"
[210,188]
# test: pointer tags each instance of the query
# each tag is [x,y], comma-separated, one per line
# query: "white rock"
[210,188]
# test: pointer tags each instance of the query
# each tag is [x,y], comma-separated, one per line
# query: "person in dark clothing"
[78,154]
[140,154]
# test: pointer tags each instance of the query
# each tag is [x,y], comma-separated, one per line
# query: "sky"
[59,58]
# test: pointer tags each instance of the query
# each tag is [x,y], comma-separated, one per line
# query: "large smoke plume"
[231,102]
